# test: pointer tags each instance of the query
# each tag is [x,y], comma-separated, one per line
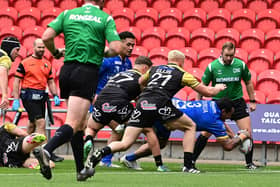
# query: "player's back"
[201,112]
[122,86]
[164,80]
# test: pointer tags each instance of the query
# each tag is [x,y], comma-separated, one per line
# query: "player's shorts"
[240,109]
[34,102]
[106,112]
[12,155]
[150,109]
[77,79]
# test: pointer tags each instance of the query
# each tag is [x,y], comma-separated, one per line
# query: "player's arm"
[208,91]
[54,29]
[51,83]
[112,36]
[14,130]
[143,80]
[229,131]
[4,86]
[206,79]
[16,87]
[230,143]
[246,76]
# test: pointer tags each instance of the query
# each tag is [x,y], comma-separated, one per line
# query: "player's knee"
[228,147]
[163,143]
[205,134]
[40,123]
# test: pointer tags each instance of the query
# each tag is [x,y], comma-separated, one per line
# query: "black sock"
[199,146]
[158,160]
[106,151]
[61,136]
[77,144]
[89,137]
[188,159]
[249,156]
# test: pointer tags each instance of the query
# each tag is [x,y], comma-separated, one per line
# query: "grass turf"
[213,175]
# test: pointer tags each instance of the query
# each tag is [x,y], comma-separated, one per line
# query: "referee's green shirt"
[231,75]
[85,30]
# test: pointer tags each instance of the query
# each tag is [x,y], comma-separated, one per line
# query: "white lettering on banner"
[85,18]
[271,118]
[272,114]
[272,131]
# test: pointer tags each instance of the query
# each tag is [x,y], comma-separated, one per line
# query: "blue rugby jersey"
[110,67]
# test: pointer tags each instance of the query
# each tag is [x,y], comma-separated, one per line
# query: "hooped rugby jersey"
[123,85]
[167,80]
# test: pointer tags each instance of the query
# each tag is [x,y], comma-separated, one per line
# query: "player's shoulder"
[27,59]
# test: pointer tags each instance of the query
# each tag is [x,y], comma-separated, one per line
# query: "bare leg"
[130,136]
[31,127]
[40,126]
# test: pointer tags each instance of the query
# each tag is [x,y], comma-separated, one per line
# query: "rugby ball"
[246,146]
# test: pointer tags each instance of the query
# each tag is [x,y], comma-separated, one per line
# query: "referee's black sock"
[249,156]
[61,136]
[106,151]
[188,159]
[89,137]
[158,160]
[77,144]
[199,146]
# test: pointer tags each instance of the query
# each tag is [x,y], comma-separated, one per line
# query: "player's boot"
[192,170]
[36,138]
[163,168]
[251,166]
[87,148]
[130,164]
[44,161]
[93,158]
[85,173]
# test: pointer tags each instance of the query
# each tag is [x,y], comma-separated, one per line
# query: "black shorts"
[35,109]
[77,79]
[240,109]
[148,110]
[106,112]
[12,154]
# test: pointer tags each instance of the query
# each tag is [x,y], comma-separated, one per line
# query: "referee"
[85,30]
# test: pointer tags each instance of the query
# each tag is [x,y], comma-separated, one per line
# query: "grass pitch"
[213,175]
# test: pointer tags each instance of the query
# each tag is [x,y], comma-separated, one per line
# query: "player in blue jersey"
[208,115]
[113,65]
[110,67]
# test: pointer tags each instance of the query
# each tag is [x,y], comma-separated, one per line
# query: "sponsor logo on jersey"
[148,106]
[106,107]
[85,18]
[236,70]
[227,79]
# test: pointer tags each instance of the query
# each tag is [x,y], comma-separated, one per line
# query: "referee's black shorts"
[240,109]
[78,79]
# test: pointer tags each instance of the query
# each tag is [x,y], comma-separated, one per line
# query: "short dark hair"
[126,34]
[225,103]
[228,45]
[143,60]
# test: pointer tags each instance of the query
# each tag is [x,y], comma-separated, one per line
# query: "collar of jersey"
[137,71]
[222,62]
[175,66]
[89,4]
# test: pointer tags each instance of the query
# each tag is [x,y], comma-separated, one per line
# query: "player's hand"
[16,105]
[252,106]
[56,100]
[221,87]
[60,52]
[4,102]
[244,132]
